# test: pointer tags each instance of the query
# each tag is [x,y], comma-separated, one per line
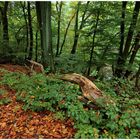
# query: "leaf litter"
[17,123]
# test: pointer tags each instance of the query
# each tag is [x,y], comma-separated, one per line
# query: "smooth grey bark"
[47,51]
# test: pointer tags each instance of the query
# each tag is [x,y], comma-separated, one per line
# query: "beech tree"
[65,35]
[31,32]
[23,5]
[78,28]
[93,43]
[58,8]
[105,33]
[4,20]
[135,49]
[44,20]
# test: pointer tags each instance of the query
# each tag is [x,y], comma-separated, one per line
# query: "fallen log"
[88,103]
[89,89]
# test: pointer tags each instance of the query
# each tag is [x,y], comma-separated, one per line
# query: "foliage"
[86,131]
[70,63]
[117,120]
[59,115]
[4,100]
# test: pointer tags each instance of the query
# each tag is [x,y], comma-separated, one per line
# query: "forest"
[70,69]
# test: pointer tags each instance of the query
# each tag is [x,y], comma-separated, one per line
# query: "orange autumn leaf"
[2,125]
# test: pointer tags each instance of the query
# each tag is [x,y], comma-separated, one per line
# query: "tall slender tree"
[23,5]
[59,9]
[65,35]
[122,26]
[131,30]
[77,29]
[93,41]
[30,32]
[118,70]
[124,51]
[137,78]
[134,49]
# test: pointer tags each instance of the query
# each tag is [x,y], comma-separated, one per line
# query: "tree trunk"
[93,43]
[58,8]
[89,89]
[137,78]
[134,52]
[124,55]
[6,49]
[47,51]
[65,35]
[38,13]
[5,23]
[91,93]
[26,23]
[36,48]
[49,36]
[31,32]
[131,29]
[76,37]
[122,27]
[118,70]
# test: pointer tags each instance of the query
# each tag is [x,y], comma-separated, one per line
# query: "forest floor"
[17,123]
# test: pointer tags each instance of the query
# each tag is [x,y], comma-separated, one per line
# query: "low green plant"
[86,131]
[117,119]
[94,73]
[60,115]
[2,91]
[5,101]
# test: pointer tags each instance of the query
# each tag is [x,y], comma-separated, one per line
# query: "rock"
[106,72]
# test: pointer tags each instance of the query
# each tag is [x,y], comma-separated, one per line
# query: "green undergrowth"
[121,119]
[3,97]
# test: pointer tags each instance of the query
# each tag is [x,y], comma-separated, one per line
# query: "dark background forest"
[99,40]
